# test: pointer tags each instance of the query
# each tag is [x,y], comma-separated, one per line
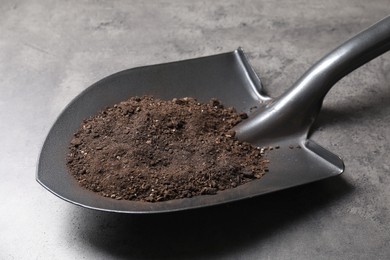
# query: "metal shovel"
[283,122]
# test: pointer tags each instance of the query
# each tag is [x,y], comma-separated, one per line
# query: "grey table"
[52,50]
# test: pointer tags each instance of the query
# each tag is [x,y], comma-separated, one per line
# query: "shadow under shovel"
[212,232]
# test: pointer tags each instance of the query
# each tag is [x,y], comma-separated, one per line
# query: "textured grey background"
[52,50]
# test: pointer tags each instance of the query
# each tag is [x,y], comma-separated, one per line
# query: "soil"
[147,149]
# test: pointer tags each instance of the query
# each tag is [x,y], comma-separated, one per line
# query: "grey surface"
[52,50]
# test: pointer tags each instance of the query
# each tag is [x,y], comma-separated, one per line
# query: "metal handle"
[294,111]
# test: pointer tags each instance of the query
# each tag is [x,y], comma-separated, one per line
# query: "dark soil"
[147,149]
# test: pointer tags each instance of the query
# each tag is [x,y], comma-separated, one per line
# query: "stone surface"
[52,50]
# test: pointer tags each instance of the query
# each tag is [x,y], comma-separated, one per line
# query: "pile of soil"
[147,149]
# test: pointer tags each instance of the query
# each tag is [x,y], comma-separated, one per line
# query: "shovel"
[283,122]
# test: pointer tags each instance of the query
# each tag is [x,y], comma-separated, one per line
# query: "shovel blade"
[227,77]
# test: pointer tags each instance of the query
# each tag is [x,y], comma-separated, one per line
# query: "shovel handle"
[352,54]
[294,111]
